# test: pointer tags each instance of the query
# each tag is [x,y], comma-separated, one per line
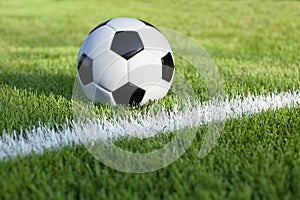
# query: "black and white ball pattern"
[125,61]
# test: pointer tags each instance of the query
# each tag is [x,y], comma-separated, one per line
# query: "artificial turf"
[256,48]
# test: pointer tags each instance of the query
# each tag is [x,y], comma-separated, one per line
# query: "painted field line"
[42,138]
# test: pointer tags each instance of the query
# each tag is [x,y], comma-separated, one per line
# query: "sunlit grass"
[256,48]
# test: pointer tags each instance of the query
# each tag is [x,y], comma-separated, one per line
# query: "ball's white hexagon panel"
[155,92]
[153,39]
[101,36]
[100,49]
[101,62]
[125,24]
[168,62]
[99,25]
[165,83]
[160,52]
[115,75]
[103,96]
[89,90]
[144,69]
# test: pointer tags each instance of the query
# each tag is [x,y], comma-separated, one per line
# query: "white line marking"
[40,139]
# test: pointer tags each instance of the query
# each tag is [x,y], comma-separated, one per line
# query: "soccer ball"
[125,61]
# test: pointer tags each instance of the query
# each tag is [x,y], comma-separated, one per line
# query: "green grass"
[256,157]
[252,48]
[256,47]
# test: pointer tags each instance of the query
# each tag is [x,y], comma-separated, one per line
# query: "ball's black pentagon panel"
[127,44]
[85,69]
[81,59]
[137,96]
[98,26]
[167,67]
[148,24]
[128,94]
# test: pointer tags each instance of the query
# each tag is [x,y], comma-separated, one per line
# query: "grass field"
[256,47]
